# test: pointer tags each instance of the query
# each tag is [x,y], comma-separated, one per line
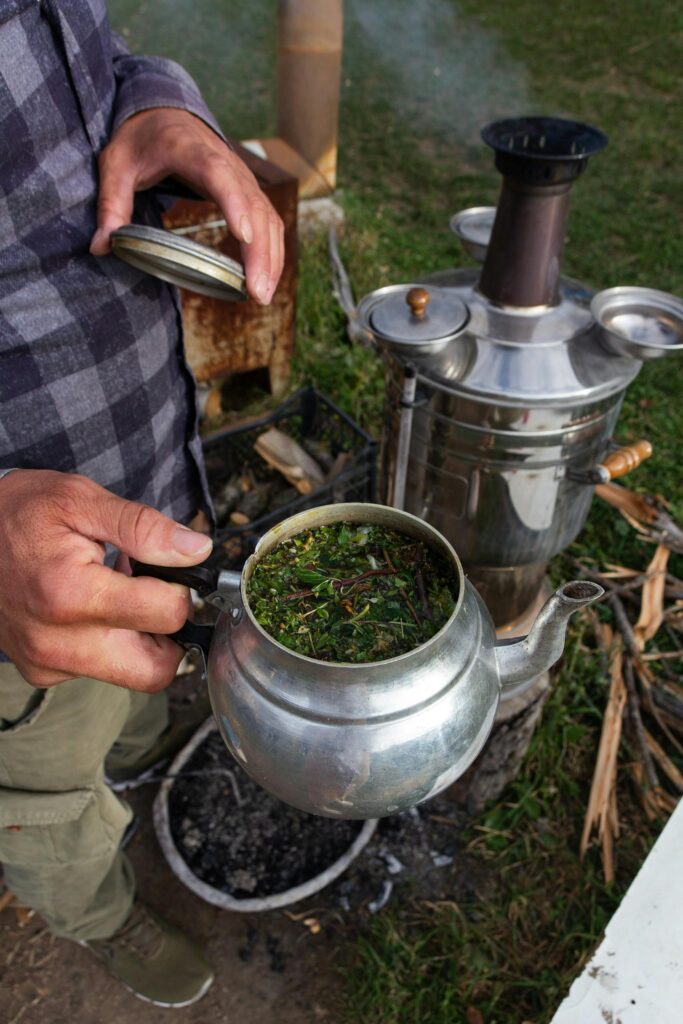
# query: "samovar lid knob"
[418,300]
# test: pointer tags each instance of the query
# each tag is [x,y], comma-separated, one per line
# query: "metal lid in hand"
[414,319]
[179,261]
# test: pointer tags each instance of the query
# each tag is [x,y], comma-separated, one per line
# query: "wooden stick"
[633,708]
[644,674]
[652,601]
[601,810]
[665,763]
[639,509]
[644,794]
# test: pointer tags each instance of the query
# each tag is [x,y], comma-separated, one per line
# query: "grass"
[419,80]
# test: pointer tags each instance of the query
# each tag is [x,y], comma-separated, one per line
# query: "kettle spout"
[520,661]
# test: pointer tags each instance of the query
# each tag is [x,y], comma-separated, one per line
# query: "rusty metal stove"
[222,339]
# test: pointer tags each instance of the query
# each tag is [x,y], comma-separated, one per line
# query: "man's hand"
[63,613]
[154,144]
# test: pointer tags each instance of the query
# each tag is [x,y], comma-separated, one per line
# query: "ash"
[238,838]
[244,842]
[416,855]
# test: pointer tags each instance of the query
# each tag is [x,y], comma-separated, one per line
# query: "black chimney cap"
[542,150]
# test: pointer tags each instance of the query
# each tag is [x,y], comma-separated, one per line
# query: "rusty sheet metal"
[225,338]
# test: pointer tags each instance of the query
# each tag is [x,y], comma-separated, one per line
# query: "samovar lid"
[413,318]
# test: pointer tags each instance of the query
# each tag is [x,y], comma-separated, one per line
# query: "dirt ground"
[268,966]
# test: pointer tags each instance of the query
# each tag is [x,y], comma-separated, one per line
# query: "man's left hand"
[155,144]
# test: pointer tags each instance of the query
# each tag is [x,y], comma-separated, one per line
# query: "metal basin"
[642,323]
[473,227]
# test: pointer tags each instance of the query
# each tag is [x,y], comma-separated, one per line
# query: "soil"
[237,838]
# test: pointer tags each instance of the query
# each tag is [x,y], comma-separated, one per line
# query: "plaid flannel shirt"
[93,377]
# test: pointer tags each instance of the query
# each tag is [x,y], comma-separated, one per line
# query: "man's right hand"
[63,613]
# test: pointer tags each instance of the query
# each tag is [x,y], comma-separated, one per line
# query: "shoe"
[173,738]
[154,961]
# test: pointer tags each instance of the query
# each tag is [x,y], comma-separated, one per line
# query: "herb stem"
[337,584]
[424,600]
[402,591]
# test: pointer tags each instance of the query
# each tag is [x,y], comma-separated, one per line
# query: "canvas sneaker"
[154,960]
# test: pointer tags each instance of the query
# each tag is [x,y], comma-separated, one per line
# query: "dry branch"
[643,682]
[652,605]
[664,762]
[601,811]
[646,513]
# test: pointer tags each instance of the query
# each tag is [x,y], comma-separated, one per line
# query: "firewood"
[233,548]
[320,452]
[282,497]
[341,461]
[284,454]
[246,481]
[251,505]
[227,498]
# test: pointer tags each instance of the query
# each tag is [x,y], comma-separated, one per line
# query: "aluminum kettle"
[362,740]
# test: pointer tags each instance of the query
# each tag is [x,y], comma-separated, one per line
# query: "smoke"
[446,69]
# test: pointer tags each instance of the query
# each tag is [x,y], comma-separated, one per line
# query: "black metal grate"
[306,415]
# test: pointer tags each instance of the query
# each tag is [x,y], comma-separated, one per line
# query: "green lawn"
[419,80]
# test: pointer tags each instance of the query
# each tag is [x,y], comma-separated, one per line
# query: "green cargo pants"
[60,825]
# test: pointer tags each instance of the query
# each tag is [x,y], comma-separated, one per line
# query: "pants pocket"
[63,828]
[36,704]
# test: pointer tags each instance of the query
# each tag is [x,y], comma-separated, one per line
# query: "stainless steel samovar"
[504,383]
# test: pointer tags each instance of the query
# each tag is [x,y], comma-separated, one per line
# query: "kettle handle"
[197,577]
[206,581]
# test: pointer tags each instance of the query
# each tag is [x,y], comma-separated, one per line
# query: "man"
[99,442]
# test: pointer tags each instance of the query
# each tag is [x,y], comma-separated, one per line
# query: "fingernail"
[99,239]
[263,288]
[246,229]
[188,542]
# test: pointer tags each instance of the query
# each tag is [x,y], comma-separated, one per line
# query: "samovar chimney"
[539,158]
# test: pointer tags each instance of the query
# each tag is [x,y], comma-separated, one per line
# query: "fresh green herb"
[352,593]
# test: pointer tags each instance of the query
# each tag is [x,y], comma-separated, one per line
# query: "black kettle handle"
[191,636]
[197,577]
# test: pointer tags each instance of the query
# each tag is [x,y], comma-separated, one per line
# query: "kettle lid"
[179,261]
[417,315]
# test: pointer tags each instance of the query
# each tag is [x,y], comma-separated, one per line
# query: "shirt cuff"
[147,83]
[4,472]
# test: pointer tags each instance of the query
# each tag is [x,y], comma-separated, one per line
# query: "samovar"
[504,382]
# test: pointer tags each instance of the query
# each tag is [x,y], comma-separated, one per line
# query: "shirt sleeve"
[143,83]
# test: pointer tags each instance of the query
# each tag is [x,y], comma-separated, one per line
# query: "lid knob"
[418,300]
